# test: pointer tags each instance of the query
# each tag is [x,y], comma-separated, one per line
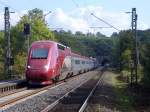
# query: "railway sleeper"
[74,100]
[76,97]
[78,94]
[66,108]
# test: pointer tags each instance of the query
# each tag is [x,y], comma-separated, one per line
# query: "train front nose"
[38,64]
[37,75]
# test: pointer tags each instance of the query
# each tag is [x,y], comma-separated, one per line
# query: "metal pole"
[7,66]
[134,63]
[136,49]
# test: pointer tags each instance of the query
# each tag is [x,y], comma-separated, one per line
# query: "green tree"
[126,45]
[2,47]
[39,31]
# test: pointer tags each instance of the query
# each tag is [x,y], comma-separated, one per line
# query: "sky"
[75,15]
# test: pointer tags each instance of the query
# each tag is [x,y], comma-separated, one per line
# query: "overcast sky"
[75,15]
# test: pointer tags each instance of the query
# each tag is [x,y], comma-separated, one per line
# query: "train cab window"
[39,53]
[77,61]
[61,47]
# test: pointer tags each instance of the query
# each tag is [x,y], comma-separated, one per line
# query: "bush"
[19,65]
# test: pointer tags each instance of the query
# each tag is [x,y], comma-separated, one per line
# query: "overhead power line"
[6,5]
[105,22]
[111,26]
[18,12]
[77,5]
[100,27]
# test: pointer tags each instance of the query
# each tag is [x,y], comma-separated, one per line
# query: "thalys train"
[50,61]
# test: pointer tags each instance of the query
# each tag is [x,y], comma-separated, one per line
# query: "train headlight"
[28,66]
[53,70]
[46,67]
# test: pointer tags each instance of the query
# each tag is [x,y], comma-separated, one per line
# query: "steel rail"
[27,95]
[82,108]
[52,105]
[36,91]
[57,101]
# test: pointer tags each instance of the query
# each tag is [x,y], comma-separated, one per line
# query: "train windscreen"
[39,53]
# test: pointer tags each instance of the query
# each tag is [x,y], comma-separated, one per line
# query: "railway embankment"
[115,95]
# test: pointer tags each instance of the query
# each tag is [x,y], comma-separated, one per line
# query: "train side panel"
[66,69]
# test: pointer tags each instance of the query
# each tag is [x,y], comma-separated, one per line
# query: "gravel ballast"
[41,101]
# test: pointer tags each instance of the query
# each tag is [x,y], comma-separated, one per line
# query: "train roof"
[49,42]
[43,41]
[57,43]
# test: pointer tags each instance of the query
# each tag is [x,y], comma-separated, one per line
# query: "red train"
[50,61]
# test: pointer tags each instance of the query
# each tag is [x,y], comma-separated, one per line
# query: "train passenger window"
[77,61]
[39,53]
[61,47]
[83,62]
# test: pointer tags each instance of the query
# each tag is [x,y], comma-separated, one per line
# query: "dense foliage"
[123,50]
[87,45]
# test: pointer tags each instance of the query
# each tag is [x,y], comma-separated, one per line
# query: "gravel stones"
[41,101]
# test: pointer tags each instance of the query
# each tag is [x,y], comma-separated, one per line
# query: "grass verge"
[124,98]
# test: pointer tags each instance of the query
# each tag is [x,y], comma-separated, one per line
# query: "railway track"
[17,95]
[75,100]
